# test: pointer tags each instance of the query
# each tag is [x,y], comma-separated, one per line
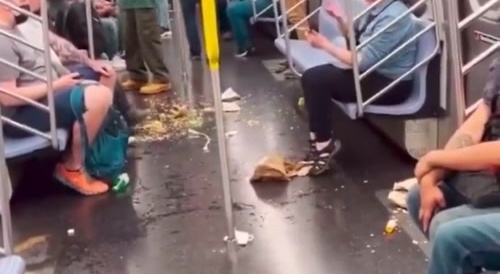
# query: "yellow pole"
[211,36]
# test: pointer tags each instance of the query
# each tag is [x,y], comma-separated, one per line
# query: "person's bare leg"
[98,100]
[109,81]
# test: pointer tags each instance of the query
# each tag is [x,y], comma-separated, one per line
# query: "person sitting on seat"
[457,200]
[323,83]
[98,100]
[107,13]
[239,14]
[190,21]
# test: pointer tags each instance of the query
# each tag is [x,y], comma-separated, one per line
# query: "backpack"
[71,23]
[482,188]
[105,158]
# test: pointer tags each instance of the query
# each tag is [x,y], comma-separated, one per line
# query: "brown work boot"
[155,87]
[133,85]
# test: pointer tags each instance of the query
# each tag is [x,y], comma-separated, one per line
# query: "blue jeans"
[189,13]
[162,11]
[464,239]
[110,25]
[239,14]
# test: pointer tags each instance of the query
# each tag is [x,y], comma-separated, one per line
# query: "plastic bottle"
[121,183]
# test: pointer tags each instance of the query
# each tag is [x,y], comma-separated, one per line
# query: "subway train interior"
[190,206]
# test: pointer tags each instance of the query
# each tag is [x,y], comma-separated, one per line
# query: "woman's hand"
[317,40]
[334,11]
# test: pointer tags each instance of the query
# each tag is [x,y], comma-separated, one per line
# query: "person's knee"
[439,220]
[98,97]
[448,235]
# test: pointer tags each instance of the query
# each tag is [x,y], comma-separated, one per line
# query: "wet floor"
[172,220]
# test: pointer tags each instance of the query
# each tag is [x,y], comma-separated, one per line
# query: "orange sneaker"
[155,88]
[133,85]
[79,181]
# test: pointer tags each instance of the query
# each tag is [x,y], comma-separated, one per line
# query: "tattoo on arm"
[460,141]
[66,50]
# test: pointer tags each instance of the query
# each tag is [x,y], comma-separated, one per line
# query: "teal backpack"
[105,158]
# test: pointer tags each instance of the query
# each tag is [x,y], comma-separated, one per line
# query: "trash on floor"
[302,102]
[399,192]
[242,238]
[71,232]
[30,243]
[391,226]
[196,134]
[276,168]
[121,183]
[230,107]
[166,120]
[230,95]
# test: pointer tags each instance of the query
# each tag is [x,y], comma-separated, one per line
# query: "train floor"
[172,219]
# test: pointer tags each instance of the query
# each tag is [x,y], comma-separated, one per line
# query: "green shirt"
[136,4]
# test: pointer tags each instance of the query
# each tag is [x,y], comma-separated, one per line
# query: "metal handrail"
[90,29]
[396,51]
[354,51]
[473,16]
[479,58]
[392,23]
[367,10]
[400,78]
[27,100]
[5,186]
[274,6]
[459,70]
[19,39]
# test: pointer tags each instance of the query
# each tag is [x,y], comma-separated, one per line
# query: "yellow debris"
[167,120]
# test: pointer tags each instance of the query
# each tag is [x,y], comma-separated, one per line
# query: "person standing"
[143,47]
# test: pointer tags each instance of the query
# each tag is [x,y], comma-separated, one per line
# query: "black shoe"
[241,53]
[323,158]
[196,57]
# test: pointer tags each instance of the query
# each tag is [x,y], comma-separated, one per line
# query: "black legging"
[322,83]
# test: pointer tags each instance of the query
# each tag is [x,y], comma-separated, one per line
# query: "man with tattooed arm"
[457,200]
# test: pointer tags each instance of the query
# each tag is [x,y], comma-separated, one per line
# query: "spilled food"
[167,120]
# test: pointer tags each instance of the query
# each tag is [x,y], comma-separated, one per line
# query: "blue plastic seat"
[427,46]
[22,146]
[304,56]
[12,265]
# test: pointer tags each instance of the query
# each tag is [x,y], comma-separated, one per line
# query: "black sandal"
[323,158]
[311,154]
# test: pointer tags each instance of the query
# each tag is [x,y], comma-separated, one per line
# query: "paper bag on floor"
[277,168]
[270,168]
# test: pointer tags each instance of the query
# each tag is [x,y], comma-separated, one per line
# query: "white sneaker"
[118,63]
[167,34]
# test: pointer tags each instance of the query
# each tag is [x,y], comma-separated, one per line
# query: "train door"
[477,38]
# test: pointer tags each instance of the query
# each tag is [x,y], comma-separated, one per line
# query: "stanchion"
[90,29]
[5,193]
[211,38]
[179,33]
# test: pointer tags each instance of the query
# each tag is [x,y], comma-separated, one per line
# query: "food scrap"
[167,120]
